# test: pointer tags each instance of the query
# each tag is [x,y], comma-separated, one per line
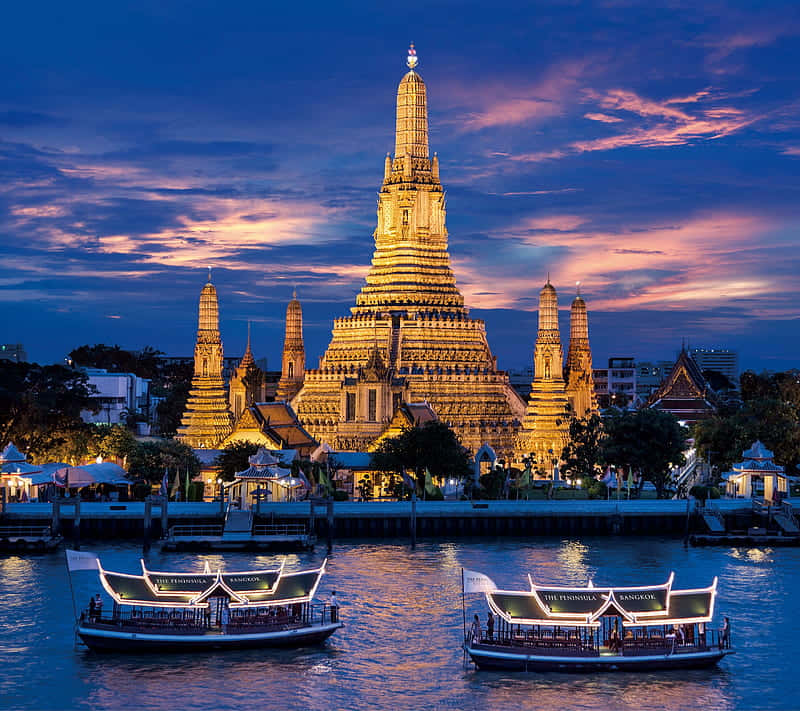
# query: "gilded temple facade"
[409,337]
[578,369]
[207,419]
[238,396]
[293,361]
[545,429]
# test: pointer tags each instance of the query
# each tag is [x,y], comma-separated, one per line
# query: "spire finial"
[248,334]
[209,275]
[412,60]
[578,287]
[548,277]
[294,292]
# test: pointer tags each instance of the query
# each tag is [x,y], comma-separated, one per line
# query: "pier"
[383,519]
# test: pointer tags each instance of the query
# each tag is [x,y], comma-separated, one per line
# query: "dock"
[28,539]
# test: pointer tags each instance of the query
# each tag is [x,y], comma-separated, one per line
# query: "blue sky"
[651,153]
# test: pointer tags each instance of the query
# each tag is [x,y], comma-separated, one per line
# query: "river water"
[400,648]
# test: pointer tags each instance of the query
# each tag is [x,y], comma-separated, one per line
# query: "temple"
[409,337]
[207,419]
[240,389]
[578,369]
[545,429]
[685,392]
[293,363]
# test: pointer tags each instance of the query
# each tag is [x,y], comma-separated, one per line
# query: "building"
[720,360]
[578,369]
[247,384]
[616,385]
[545,429]
[207,419]
[409,337]
[273,425]
[685,392]
[14,352]
[118,397]
[649,375]
[293,362]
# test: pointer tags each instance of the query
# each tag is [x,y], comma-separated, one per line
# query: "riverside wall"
[392,519]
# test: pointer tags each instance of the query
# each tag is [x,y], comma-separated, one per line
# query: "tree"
[40,406]
[433,446]
[583,455]
[233,459]
[648,440]
[173,386]
[149,460]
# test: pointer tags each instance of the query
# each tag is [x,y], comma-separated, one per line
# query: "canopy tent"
[583,606]
[90,475]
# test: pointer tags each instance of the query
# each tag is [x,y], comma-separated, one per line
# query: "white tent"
[91,474]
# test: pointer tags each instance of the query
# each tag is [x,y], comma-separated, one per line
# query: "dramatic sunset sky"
[651,154]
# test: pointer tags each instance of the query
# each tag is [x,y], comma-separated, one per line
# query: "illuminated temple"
[207,419]
[409,337]
[545,429]
[578,369]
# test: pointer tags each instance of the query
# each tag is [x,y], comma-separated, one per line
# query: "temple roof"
[11,454]
[758,451]
[684,392]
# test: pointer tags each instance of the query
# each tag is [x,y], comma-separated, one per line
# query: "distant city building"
[616,385]
[14,352]
[118,397]
[721,360]
[649,375]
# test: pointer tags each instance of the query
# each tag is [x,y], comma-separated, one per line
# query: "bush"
[339,495]
[699,492]
[596,490]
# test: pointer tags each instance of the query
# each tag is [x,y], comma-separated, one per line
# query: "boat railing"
[198,621]
[25,532]
[286,529]
[192,531]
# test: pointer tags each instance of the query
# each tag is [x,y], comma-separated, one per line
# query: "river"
[400,648]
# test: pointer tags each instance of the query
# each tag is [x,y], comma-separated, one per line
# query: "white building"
[117,395]
[721,360]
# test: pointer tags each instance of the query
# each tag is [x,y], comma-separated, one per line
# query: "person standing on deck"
[225,617]
[334,607]
[490,626]
[475,632]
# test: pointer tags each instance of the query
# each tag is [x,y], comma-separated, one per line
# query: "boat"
[582,629]
[160,611]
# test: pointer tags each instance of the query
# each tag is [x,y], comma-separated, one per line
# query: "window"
[406,217]
[291,369]
[372,405]
[350,407]
[205,367]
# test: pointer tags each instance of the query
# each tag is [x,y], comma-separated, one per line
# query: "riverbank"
[390,519]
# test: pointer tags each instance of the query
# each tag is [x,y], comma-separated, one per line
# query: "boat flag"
[188,482]
[430,489]
[81,560]
[477,582]
[176,485]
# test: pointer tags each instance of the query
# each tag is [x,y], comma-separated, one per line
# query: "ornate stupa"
[578,370]
[293,363]
[207,419]
[238,387]
[545,429]
[409,337]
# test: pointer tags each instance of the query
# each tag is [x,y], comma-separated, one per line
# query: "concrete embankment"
[390,519]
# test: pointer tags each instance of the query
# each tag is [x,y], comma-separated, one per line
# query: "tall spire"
[207,419]
[578,370]
[293,362]
[548,308]
[411,135]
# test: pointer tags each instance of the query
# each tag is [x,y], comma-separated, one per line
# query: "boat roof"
[584,606]
[243,588]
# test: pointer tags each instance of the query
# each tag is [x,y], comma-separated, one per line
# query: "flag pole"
[71,589]
[463,605]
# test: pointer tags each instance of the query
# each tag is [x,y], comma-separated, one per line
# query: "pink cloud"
[603,118]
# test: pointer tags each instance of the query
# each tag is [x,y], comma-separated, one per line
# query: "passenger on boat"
[334,607]
[614,641]
[475,632]
[98,606]
[725,634]
[91,608]
[225,617]
[490,626]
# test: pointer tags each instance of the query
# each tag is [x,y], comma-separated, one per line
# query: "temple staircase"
[395,346]
[786,520]
[238,525]
[713,518]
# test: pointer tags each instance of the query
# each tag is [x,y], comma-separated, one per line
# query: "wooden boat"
[593,628]
[158,611]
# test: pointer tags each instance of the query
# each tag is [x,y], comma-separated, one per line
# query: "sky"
[650,151]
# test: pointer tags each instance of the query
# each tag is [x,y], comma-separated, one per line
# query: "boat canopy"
[648,605]
[262,588]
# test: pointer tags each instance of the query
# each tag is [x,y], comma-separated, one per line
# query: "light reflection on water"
[400,647]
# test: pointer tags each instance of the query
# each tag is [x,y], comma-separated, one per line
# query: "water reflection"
[401,643]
